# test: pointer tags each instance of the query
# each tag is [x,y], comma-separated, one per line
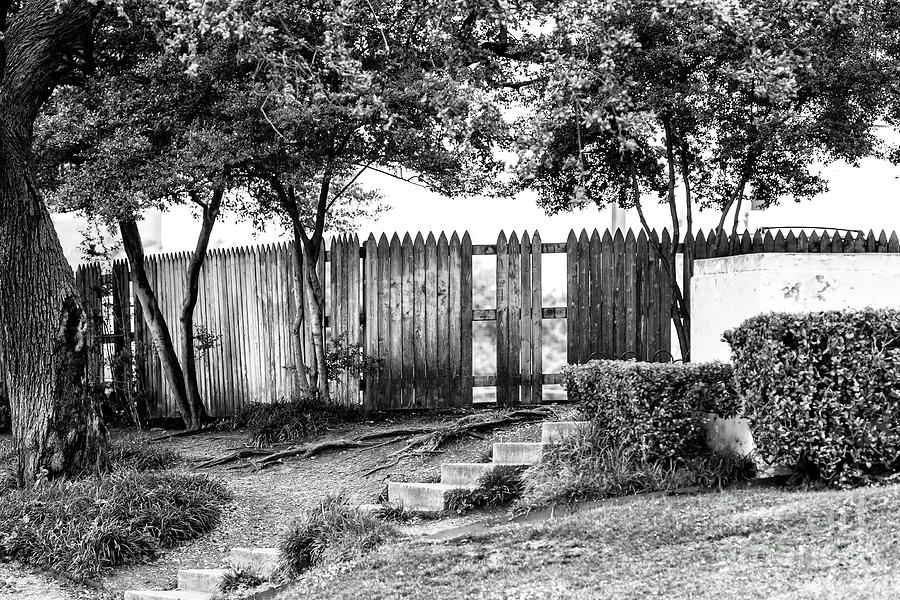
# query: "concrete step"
[518,453]
[166,595]
[262,562]
[201,580]
[422,497]
[464,473]
[553,432]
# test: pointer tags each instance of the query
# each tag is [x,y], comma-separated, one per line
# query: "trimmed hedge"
[652,407]
[822,390]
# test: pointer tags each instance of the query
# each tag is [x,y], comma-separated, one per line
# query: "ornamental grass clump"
[592,466]
[84,527]
[500,486]
[822,391]
[140,454]
[331,531]
[288,420]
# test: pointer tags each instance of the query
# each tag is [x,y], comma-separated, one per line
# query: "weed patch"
[84,527]
[332,531]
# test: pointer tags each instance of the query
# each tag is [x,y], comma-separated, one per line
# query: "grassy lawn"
[743,544]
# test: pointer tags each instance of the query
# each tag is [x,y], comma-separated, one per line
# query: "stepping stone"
[166,595]
[262,562]
[421,497]
[518,453]
[466,474]
[201,580]
[553,432]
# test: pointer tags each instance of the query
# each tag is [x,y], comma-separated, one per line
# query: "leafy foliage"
[721,99]
[86,526]
[333,530]
[288,420]
[822,391]
[498,487]
[651,408]
[344,357]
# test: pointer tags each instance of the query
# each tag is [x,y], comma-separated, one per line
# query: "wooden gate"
[409,303]
[418,307]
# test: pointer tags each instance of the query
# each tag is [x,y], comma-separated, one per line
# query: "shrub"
[288,421]
[84,527]
[589,466]
[822,391]
[139,455]
[498,487]
[331,531]
[651,408]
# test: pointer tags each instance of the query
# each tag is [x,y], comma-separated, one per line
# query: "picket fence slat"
[408,324]
[502,295]
[409,303]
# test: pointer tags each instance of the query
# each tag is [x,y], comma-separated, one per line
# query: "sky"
[864,197]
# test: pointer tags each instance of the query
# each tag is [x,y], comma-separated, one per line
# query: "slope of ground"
[757,543]
[266,501]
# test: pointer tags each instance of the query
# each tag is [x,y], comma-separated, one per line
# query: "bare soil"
[266,501]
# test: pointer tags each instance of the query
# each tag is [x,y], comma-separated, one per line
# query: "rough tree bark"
[156,322]
[57,424]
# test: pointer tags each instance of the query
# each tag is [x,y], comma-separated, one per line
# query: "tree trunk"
[156,322]
[314,302]
[56,419]
[57,424]
[191,292]
[301,376]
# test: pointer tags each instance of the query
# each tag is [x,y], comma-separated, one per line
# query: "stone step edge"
[190,579]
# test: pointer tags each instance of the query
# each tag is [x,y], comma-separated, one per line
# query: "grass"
[332,531]
[81,528]
[585,467]
[140,454]
[238,581]
[750,543]
[500,486]
[287,421]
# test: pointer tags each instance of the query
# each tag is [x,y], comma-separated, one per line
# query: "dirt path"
[17,583]
[266,501]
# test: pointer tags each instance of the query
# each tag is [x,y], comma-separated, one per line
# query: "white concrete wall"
[726,291]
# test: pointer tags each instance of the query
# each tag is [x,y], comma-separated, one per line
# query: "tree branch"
[410,180]
[348,184]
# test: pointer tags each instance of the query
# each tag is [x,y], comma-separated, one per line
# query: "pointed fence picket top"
[407,301]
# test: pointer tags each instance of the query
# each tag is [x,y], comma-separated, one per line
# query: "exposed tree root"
[185,433]
[419,441]
[307,451]
[236,455]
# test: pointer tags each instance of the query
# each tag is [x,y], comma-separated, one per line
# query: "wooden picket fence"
[408,302]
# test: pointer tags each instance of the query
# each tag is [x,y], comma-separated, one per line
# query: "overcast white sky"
[859,198]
